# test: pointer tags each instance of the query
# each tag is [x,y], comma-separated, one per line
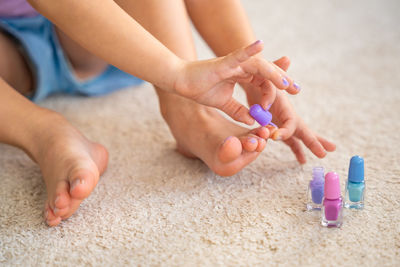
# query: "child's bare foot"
[204,133]
[71,166]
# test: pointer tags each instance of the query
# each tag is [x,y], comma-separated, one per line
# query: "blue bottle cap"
[356,169]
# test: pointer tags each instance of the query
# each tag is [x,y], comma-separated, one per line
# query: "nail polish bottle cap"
[356,169]
[318,176]
[262,116]
[332,186]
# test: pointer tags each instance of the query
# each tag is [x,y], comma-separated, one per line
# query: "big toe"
[82,183]
[230,149]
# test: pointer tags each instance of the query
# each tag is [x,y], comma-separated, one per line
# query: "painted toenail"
[252,140]
[297,86]
[226,139]
[76,183]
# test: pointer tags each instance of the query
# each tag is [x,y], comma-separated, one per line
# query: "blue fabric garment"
[51,69]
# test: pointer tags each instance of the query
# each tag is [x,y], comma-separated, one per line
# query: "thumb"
[237,111]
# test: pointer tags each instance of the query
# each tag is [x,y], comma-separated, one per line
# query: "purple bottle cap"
[332,186]
[263,117]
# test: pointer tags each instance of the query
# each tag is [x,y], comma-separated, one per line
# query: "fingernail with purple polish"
[297,86]
[257,42]
[285,82]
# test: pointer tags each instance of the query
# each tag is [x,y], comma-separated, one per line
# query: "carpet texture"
[155,207]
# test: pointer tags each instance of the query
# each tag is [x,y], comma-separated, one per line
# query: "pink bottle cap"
[332,186]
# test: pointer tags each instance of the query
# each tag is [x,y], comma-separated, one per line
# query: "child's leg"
[84,64]
[199,131]
[13,67]
[224,26]
[70,163]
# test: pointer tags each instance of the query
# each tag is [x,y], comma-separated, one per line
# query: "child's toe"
[262,132]
[75,203]
[82,183]
[249,142]
[230,149]
[62,198]
[54,222]
[61,212]
[50,217]
[261,144]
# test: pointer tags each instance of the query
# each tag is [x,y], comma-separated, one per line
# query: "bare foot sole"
[202,132]
[71,166]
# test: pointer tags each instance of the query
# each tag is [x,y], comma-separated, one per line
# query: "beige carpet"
[156,207]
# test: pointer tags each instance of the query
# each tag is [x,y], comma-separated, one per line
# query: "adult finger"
[286,130]
[243,54]
[229,66]
[310,141]
[295,146]
[268,94]
[237,111]
[267,71]
[283,63]
[328,145]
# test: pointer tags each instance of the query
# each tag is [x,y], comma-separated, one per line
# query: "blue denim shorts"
[51,70]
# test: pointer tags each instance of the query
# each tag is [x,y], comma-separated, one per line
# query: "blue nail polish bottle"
[355,185]
[315,192]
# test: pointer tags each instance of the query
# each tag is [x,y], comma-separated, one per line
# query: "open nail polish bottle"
[315,191]
[332,204]
[355,185]
[262,116]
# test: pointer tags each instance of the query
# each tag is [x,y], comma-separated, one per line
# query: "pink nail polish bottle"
[332,205]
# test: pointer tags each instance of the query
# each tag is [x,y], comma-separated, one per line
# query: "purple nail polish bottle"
[262,116]
[315,192]
[332,204]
